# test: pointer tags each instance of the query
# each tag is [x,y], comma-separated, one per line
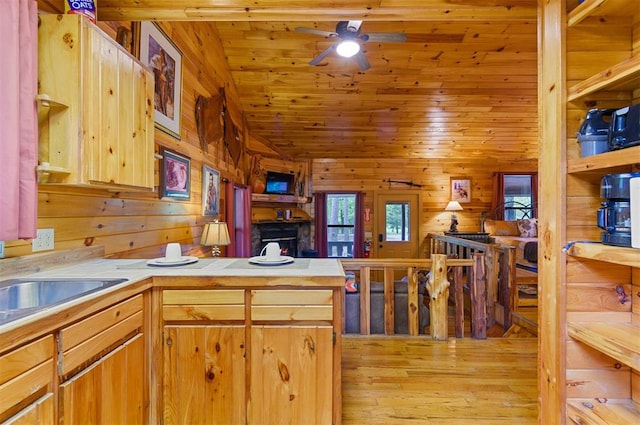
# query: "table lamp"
[453,206]
[215,234]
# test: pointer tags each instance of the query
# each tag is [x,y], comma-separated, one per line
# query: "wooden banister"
[438,288]
[498,269]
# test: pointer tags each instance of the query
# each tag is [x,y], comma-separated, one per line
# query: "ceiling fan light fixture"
[348,48]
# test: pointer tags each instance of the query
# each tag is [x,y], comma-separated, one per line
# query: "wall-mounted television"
[279,183]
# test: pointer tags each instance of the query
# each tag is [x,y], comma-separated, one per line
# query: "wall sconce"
[215,234]
[453,206]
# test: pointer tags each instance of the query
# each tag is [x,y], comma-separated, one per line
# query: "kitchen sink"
[21,297]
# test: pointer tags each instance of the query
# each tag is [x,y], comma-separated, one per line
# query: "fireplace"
[293,237]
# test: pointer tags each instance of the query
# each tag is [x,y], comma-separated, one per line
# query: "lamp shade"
[347,48]
[215,234]
[453,206]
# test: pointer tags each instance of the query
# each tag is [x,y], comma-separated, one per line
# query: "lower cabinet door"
[204,374]
[291,375]
[110,391]
[39,412]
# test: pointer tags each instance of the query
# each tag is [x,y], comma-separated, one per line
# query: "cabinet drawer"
[87,338]
[203,304]
[313,304]
[25,370]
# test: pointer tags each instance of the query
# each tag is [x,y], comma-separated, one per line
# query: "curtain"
[497,197]
[18,118]
[358,237]
[320,199]
[244,248]
[238,218]
[229,214]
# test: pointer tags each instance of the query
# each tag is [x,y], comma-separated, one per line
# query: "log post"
[389,301]
[413,311]
[365,300]
[438,287]
[478,295]
[458,296]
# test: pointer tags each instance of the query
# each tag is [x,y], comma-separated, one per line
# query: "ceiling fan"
[350,39]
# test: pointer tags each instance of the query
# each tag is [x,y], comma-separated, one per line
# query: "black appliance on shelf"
[625,128]
[615,214]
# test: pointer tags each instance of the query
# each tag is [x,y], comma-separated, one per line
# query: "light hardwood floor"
[401,380]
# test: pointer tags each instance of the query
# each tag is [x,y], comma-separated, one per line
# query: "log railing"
[437,287]
[499,268]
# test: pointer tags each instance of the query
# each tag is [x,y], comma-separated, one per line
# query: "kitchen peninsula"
[220,338]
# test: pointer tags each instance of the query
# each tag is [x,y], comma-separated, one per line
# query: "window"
[341,223]
[519,196]
[397,222]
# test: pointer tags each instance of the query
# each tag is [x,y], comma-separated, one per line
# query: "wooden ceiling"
[463,85]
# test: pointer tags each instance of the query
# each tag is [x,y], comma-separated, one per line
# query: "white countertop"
[135,270]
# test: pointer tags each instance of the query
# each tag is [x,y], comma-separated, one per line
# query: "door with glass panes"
[396,231]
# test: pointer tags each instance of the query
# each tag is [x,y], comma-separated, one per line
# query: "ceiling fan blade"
[316,32]
[322,55]
[362,61]
[386,37]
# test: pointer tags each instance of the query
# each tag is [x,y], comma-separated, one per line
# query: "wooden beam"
[238,10]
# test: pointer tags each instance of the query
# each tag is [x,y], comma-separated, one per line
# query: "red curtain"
[320,199]
[238,218]
[497,197]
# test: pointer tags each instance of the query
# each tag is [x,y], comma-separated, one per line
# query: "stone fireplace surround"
[294,236]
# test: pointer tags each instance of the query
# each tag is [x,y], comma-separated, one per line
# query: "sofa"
[401,326]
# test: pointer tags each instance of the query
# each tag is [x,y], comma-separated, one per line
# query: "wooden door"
[291,375]
[204,375]
[396,229]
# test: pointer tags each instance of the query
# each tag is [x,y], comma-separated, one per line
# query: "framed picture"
[461,189]
[165,61]
[210,191]
[175,177]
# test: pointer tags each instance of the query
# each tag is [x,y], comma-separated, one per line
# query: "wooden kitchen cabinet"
[204,358]
[291,356]
[95,113]
[250,355]
[102,367]
[26,383]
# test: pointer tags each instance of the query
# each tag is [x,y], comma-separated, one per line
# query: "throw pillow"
[528,227]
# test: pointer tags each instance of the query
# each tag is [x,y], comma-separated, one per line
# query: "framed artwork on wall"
[175,175]
[210,191]
[164,58]
[461,189]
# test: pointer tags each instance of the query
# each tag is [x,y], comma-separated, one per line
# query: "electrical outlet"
[1,249]
[43,240]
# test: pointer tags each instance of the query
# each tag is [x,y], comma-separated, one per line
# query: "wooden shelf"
[606,253]
[289,199]
[616,340]
[602,411]
[622,76]
[617,158]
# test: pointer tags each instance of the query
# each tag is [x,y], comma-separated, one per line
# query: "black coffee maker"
[615,214]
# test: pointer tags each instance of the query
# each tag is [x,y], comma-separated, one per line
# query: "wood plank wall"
[371,176]
[138,225]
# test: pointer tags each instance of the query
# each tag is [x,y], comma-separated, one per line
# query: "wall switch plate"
[43,240]
[1,249]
